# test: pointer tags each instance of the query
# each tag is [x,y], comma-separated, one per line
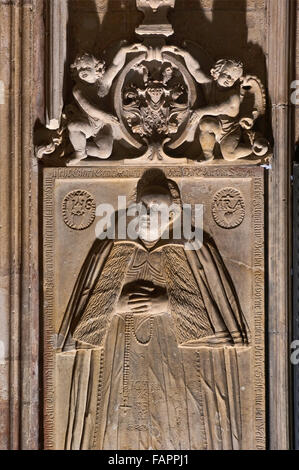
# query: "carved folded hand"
[139,298]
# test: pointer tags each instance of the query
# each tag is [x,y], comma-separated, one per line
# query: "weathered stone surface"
[128,399]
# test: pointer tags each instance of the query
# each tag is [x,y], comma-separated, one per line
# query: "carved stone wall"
[21,104]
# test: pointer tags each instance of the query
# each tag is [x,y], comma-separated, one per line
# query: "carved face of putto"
[227,72]
[87,68]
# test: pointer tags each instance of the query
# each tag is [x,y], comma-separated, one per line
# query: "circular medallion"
[78,209]
[228,208]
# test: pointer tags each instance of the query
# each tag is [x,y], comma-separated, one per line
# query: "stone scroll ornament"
[163,98]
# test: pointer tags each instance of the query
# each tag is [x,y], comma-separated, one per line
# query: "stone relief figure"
[87,120]
[154,98]
[91,130]
[234,102]
[157,332]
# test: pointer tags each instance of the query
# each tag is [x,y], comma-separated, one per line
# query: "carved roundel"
[228,208]
[78,209]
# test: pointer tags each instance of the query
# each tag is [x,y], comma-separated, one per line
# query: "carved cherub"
[86,120]
[235,102]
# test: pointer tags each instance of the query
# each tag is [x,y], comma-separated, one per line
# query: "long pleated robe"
[168,381]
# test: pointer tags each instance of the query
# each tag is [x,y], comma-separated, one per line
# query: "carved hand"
[119,62]
[173,50]
[177,51]
[142,299]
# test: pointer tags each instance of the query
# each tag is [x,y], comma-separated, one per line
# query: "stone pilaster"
[280,59]
[19,288]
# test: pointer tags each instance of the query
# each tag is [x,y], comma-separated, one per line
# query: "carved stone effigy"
[155,342]
[188,372]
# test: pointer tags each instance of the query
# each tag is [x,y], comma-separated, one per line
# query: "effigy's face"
[155,216]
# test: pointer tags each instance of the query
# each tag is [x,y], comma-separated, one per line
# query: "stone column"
[57,14]
[21,30]
[280,60]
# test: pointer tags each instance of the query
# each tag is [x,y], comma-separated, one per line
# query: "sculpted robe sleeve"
[219,294]
[83,330]
[203,300]
[89,273]
[217,350]
[86,362]
[220,357]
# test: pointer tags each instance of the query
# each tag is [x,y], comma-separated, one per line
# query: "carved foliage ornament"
[153,98]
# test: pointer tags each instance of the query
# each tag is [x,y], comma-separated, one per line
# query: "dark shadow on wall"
[82,32]
[221,28]
[94,27]
[98,28]
[82,29]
